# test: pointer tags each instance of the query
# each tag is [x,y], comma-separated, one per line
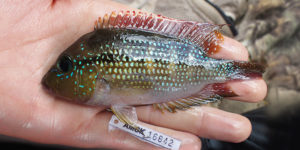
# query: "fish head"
[73,76]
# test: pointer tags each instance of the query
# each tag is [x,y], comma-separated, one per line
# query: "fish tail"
[240,70]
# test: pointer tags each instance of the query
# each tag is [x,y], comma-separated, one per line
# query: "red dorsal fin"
[205,35]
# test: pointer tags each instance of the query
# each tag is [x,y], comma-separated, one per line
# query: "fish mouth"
[46,85]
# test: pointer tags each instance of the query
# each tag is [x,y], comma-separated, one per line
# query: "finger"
[202,121]
[99,135]
[231,49]
[65,123]
[188,141]
[122,140]
[253,90]
[95,133]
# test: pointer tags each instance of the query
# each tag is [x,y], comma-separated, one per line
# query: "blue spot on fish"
[59,75]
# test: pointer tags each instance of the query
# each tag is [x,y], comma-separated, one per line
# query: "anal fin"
[186,103]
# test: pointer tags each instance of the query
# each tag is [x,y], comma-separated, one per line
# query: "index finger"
[252,90]
[231,49]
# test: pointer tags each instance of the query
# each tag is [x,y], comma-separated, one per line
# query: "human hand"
[34,33]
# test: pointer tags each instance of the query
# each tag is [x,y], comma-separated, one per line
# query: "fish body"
[125,63]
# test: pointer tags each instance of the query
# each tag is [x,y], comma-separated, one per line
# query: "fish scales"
[136,59]
[149,62]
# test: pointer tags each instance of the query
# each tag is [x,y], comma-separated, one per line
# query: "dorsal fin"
[205,35]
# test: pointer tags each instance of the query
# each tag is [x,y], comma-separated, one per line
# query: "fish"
[135,58]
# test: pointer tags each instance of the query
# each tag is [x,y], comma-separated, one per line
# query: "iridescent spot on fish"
[60,74]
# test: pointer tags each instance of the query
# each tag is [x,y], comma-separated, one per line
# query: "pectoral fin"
[126,114]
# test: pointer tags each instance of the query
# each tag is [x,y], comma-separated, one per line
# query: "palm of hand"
[28,49]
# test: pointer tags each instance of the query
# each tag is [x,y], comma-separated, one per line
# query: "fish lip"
[46,86]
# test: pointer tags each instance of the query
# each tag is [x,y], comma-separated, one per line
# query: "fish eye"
[64,64]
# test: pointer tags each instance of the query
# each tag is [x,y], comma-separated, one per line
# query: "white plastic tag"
[147,135]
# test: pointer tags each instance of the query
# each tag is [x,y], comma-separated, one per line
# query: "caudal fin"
[232,70]
[240,70]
